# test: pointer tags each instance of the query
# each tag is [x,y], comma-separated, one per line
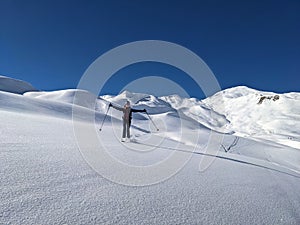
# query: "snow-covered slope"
[83,98]
[14,86]
[260,115]
[45,180]
[230,112]
[57,104]
[241,111]
[200,112]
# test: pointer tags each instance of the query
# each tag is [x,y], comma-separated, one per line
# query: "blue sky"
[51,43]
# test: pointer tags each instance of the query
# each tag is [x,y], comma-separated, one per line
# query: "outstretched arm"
[138,110]
[115,107]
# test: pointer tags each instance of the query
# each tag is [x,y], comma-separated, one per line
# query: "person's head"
[127,104]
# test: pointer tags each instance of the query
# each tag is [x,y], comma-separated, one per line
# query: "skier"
[127,116]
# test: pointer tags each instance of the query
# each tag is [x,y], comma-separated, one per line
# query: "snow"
[276,121]
[86,99]
[45,178]
[15,86]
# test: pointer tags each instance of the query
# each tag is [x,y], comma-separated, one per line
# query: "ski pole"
[152,121]
[104,118]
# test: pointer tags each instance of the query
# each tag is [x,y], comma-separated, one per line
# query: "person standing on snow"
[127,117]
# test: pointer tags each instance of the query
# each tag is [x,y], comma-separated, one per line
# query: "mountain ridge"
[242,111]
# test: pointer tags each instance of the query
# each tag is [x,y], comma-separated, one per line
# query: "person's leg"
[124,128]
[128,129]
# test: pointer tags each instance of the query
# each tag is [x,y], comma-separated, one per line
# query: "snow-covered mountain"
[45,180]
[260,115]
[14,86]
[241,111]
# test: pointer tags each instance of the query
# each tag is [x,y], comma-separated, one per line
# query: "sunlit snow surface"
[45,180]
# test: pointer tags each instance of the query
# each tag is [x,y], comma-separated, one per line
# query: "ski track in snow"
[45,180]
